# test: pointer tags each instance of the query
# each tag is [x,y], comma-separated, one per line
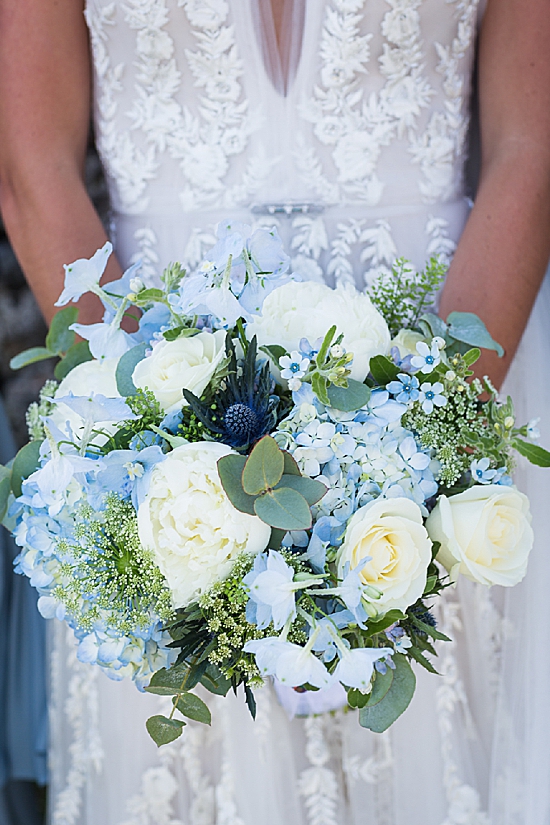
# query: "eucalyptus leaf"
[276,538]
[284,508]
[436,325]
[380,688]
[468,328]
[380,716]
[290,466]
[383,370]
[350,398]
[230,471]
[30,356]
[533,452]
[264,467]
[60,338]
[126,366]
[357,699]
[24,464]
[313,491]
[193,707]
[163,730]
[5,489]
[168,681]
[79,353]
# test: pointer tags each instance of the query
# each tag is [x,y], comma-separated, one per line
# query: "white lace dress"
[353,145]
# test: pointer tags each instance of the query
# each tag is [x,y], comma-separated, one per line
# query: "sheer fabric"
[352,142]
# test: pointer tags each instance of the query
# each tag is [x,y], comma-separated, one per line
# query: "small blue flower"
[428,357]
[405,389]
[293,365]
[308,350]
[430,394]
[481,472]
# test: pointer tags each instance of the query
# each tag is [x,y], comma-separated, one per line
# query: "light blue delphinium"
[355,668]
[430,395]
[328,629]
[428,356]
[405,388]
[291,664]
[84,275]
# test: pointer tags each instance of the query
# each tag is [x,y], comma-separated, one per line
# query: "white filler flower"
[308,310]
[189,524]
[485,533]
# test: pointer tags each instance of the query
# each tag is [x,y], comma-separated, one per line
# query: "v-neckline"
[280,48]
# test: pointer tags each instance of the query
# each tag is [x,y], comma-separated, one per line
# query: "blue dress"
[23,709]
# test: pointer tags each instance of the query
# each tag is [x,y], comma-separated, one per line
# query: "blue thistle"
[244,409]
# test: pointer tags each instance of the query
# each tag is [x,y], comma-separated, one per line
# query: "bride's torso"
[358,159]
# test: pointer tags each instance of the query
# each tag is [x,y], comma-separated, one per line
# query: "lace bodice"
[372,124]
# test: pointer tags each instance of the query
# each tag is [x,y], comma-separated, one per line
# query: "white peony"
[97,377]
[185,362]
[308,310]
[392,533]
[485,533]
[189,524]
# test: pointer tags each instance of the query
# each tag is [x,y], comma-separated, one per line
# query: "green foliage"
[404,295]
[24,465]
[60,338]
[79,353]
[163,730]
[5,489]
[39,410]
[193,707]
[59,344]
[394,700]
[469,329]
[259,485]
[143,404]
[383,370]
[125,368]
[30,356]
[350,398]
[533,452]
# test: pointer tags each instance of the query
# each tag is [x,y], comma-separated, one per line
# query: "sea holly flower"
[293,365]
[428,356]
[84,275]
[405,388]
[430,395]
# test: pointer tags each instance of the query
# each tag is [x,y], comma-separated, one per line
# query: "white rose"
[485,533]
[185,362]
[308,310]
[406,341]
[189,524]
[90,377]
[391,532]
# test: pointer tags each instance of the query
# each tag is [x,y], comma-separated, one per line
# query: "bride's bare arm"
[44,122]
[504,250]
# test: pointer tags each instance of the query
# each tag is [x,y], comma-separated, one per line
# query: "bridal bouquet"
[269,479]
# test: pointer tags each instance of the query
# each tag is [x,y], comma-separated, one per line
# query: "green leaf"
[274,351]
[290,468]
[168,682]
[436,326]
[472,356]
[163,730]
[355,396]
[380,688]
[467,327]
[383,370]
[276,538]
[379,717]
[179,332]
[30,356]
[214,681]
[126,366]
[357,699]
[24,464]
[285,509]
[148,296]
[535,454]
[60,338]
[264,467]
[194,708]
[389,618]
[313,491]
[421,659]
[428,629]
[173,440]
[250,700]
[77,354]
[5,489]
[430,584]
[319,387]
[230,471]
[321,356]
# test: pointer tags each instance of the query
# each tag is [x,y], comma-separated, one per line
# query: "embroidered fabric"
[194,123]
